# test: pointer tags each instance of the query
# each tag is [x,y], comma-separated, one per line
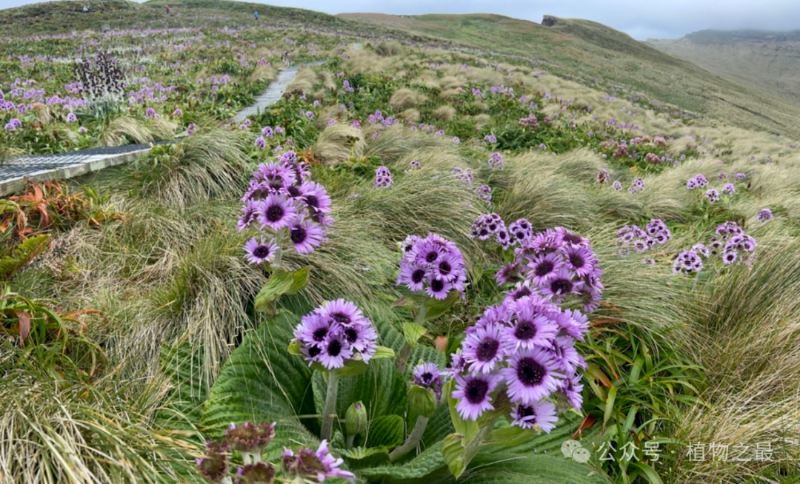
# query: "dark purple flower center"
[431,256]
[487,349]
[437,285]
[444,268]
[293,191]
[312,201]
[522,292]
[314,351]
[492,227]
[525,330]
[334,348]
[484,232]
[476,390]
[576,260]
[274,213]
[351,334]
[417,276]
[320,333]
[341,318]
[520,235]
[572,238]
[426,377]
[543,268]
[525,411]
[298,234]
[261,252]
[561,286]
[530,372]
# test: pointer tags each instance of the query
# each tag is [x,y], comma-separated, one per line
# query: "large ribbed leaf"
[525,469]
[262,382]
[184,408]
[421,466]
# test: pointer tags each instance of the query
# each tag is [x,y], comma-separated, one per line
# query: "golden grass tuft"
[405,98]
[125,129]
[444,113]
[338,143]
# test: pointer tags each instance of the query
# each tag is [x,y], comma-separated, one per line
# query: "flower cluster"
[697,181]
[687,262]
[658,230]
[496,161]
[249,440]
[383,177]
[712,195]
[491,224]
[526,347]
[633,236]
[559,265]
[603,176]
[463,174]
[335,333]
[764,215]
[282,198]
[433,264]
[636,186]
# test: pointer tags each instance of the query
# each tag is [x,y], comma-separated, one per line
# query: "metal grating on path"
[15,173]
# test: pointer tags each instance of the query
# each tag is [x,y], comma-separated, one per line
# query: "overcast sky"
[641,19]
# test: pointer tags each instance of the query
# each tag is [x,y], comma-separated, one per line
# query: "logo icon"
[572,449]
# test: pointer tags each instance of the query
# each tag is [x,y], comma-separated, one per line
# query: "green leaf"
[649,472]
[278,284]
[421,466]
[24,253]
[299,281]
[262,382]
[500,469]
[386,431]
[412,333]
[612,396]
[455,454]
[433,308]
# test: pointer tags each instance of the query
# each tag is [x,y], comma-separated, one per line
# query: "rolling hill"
[768,61]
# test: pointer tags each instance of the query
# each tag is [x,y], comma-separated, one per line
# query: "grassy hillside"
[610,59]
[766,61]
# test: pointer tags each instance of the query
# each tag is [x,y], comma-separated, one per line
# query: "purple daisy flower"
[729,257]
[261,143]
[541,413]
[764,215]
[249,211]
[276,211]
[579,259]
[316,197]
[344,312]
[260,251]
[544,267]
[335,350]
[474,391]
[413,275]
[305,234]
[564,352]
[529,327]
[531,376]
[573,390]
[560,284]
[427,375]
[438,288]
[448,267]
[484,348]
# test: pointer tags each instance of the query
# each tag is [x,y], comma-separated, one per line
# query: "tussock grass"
[398,141]
[405,98]
[444,113]
[389,49]
[95,432]
[123,129]
[204,166]
[338,143]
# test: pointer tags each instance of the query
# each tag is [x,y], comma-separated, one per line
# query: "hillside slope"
[611,60]
[768,61]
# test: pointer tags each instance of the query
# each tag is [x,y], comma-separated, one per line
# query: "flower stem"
[276,263]
[330,406]
[402,358]
[412,441]
[349,441]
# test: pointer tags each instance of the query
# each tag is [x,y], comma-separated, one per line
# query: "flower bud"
[355,419]
[421,403]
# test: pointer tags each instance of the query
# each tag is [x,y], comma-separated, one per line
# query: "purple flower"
[617,185]
[729,188]
[496,161]
[474,391]
[764,215]
[383,177]
[484,348]
[267,132]
[71,118]
[333,333]
[427,375]
[687,262]
[191,129]
[531,376]
[712,195]
[603,176]
[305,234]
[275,211]
[531,323]
[739,176]
[261,143]
[260,251]
[151,113]
[432,264]
[521,231]
[177,113]
[82,130]
[313,465]
[13,125]
[541,413]
[309,115]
